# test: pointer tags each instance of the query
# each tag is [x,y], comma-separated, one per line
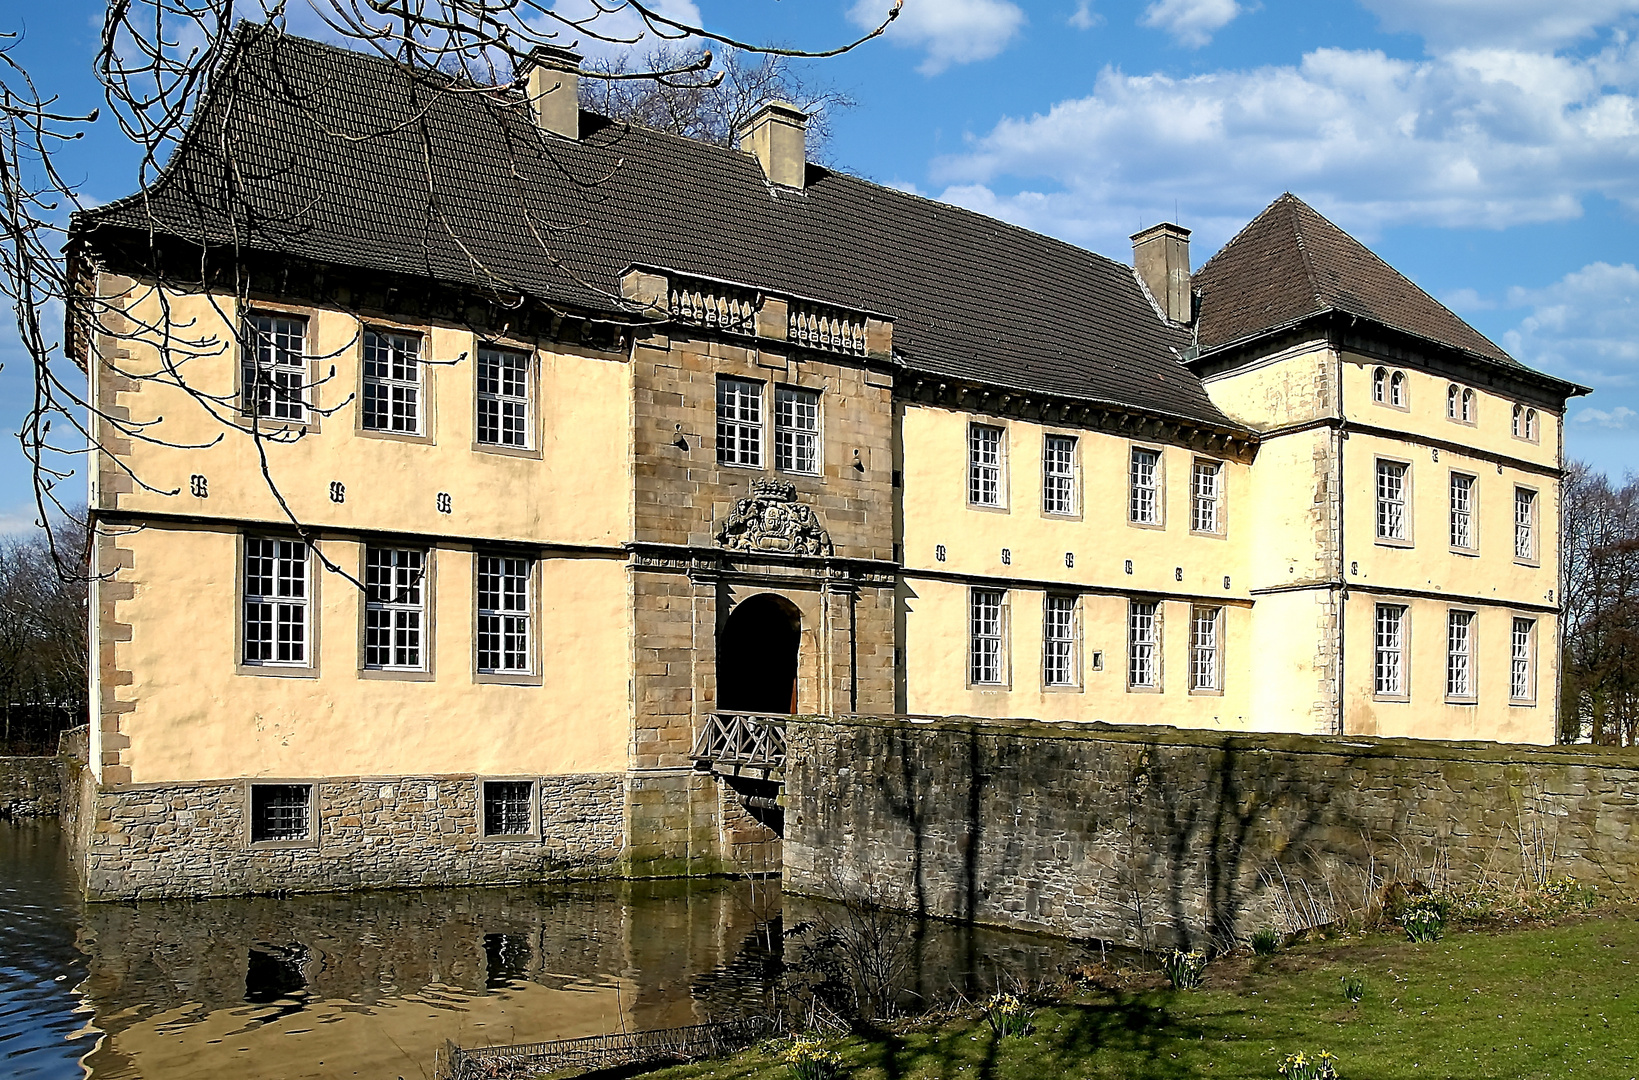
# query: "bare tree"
[1600,594]
[161,65]
[42,642]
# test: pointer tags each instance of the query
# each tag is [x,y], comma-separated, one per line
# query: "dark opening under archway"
[757,656]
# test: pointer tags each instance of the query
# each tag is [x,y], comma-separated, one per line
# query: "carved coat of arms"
[773,520]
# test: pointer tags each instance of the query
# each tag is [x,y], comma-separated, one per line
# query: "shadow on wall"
[1152,836]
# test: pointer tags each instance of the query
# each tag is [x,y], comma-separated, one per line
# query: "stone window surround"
[309,670]
[1471,655]
[532,387]
[1218,639]
[1222,531]
[1160,522]
[1532,653]
[1157,643]
[534,835]
[1077,681]
[1404,650]
[1535,559]
[1407,500]
[1472,548]
[1004,636]
[1004,442]
[534,677]
[1076,486]
[313,819]
[312,416]
[428,383]
[427,672]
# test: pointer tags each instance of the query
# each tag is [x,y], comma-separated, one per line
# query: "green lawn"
[1551,1003]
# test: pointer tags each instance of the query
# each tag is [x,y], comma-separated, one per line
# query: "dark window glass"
[506,807]
[280,811]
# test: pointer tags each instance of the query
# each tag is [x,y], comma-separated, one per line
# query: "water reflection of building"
[759,437]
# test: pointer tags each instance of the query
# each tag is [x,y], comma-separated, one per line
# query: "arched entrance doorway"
[757,656]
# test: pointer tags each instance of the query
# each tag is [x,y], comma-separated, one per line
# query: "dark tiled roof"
[971,297]
[1290,262]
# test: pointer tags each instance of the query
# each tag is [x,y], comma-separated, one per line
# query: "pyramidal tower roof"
[1290,263]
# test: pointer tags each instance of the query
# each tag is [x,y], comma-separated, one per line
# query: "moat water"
[372,984]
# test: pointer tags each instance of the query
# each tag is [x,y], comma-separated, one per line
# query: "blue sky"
[1489,149]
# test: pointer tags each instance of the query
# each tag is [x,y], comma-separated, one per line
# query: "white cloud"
[1190,22]
[1084,17]
[1584,327]
[949,31]
[1487,138]
[1617,419]
[1508,23]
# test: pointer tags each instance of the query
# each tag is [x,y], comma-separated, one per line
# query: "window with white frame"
[1144,486]
[1058,640]
[1531,425]
[1143,637]
[1525,523]
[1397,389]
[1519,421]
[1205,671]
[1462,511]
[1453,395]
[274,371]
[1058,474]
[1390,642]
[509,807]
[276,597]
[796,430]
[1460,654]
[1525,423]
[281,813]
[1522,673]
[392,382]
[505,412]
[984,465]
[504,614]
[987,636]
[1468,406]
[1380,386]
[1391,501]
[740,423]
[395,608]
[1206,492]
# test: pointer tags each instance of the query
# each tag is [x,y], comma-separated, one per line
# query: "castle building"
[509,451]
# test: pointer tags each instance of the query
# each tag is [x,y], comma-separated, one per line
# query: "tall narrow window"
[1058,640]
[1462,511]
[1391,650]
[1522,674]
[1380,386]
[504,413]
[1058,474]
[1460,654]
[1143,670]
[275,367]
[1391,501]
[987,636]
[984,465]
[1206,492]
[1468,406]
[739,423]
[1397,389]
[394,608]
[503,614]
[1204,669]
[392,382]
[796,430]
[1519,421]
[1525,523]
[1531,424]
[1144,477]
[276,595]
[1453,396]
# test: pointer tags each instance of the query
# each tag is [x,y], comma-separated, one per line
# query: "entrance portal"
[757,656]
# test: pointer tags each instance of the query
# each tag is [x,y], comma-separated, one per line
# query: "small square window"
[281,812]
[508,807]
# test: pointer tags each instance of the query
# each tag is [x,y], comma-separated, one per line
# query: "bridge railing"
[617,1050]
[739,740]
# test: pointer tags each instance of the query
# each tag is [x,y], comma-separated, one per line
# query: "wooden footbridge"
[597,1053]
[742,744]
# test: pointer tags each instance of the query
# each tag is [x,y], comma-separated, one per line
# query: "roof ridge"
[1292,203]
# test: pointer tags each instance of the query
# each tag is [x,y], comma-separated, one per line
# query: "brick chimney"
[1161,258]
[552,81]
[778,137]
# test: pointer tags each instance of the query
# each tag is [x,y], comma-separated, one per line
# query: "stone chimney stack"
[778,137]
[552,81]
[1161,257]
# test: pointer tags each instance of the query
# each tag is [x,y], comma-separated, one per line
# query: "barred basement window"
[1058,641]
[1462,511]
[1204,668]
[984,465]
[276,595]
[1058,475]
[1460,654]
[394,608]
[1391,650]
[503,614]
[504,408]
[392,382]
[1142,669]
[1525,523]
[1144,476]
[1205,494]
[274,370]
[1522,668]
[796,430]
[507,807]
[739,423]
[280,812]
[987,639]
[1391,501]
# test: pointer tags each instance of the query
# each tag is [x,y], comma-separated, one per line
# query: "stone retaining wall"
[1150,835]
[30,787]
[181,840]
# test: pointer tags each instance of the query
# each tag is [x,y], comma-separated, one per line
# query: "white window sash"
[505,405]
[504,615]
[1391,500]
[1205,496]
[1462,511]
[740,423]
[275,611]
[987,637]
[1058,471]
[395,609]
[796,430]
[1059,640]
[392,382]
[1141,645]
[1390,643]
[1525,541]
[1204,669]
[275,368]
[1460,654]
[1522,673]
[1144,479]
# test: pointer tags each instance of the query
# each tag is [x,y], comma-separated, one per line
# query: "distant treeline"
[1599,698]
